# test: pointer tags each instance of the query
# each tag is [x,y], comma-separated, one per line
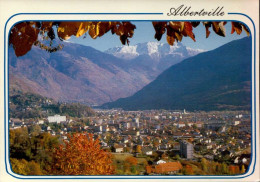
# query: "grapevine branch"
[26,34]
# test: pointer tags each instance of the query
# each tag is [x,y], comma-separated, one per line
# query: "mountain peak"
[152,49]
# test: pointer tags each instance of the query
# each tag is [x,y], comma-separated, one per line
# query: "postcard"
[129,90]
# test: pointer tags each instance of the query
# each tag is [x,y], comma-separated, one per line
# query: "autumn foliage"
[139,148]
[234,169]
[25,168]
[26,34]
[131,161]
[130,165]
[188,170]
[81,155]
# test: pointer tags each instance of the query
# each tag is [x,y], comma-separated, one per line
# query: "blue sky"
[144,32]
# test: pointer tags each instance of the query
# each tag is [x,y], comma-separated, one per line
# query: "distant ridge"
[215,80]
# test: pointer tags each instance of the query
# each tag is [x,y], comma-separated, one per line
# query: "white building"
[56,119]
[41,121]
[190,124]
[208,140]
[126,125]
[160,162]
[137,122]
[239,116]
[99,121]
[235,123]
[181,124]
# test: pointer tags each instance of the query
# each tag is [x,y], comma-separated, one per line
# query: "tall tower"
[137,122]
[186,149]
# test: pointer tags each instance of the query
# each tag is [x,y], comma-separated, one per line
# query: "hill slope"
[214,80]
[28,105]
[83,74]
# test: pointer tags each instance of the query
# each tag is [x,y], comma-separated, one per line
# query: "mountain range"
[213,80]
[83,74]
[155,50]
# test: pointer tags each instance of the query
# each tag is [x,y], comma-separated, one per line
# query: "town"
[159,139]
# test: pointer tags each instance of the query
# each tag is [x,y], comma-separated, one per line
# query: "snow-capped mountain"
[155,50]
[222,82]
[152,58]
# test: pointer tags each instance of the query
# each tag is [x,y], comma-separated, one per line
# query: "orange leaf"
[188,30]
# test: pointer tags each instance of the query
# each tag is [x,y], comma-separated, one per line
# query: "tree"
[45,143]
[127,149]
[34,168]
[81,155]
[204,164]
[36,148]
[25,34]
[130,164]
[35,130]
[131,160]
[19,166]
[156,143]
[187,170]
[233,169]
[218,168]
[213,167]
[243,170]
[224,168]
[148,169]
[139,149]
[25,168]
[178,157]
[20,144]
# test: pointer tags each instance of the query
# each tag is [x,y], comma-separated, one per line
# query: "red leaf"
[188,30]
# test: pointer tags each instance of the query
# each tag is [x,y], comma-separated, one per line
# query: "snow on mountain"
[193,52]
[153,49]
[125,52]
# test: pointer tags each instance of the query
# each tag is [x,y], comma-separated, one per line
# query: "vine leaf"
[219,28]
[188,30]
[160,28]
[24,35]
[238,28]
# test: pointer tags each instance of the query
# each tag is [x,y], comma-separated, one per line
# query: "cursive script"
[187,11]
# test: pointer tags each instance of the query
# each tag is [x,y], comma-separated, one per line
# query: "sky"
[144,32]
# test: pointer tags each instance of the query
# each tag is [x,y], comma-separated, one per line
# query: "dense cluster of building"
[190,135]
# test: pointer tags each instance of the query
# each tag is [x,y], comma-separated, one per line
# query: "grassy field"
[121,156]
